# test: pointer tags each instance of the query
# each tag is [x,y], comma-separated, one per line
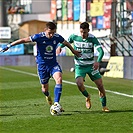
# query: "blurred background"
[111,21]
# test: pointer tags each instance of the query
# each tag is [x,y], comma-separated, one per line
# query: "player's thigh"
[98,81]
[80,72]
[56,73]
[43,74]
[58,77]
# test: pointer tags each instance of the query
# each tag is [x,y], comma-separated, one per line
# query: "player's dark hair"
[84,25]
[51,25]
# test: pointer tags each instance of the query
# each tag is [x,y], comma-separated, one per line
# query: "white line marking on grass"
[18,71]
[95,88]
[68,82]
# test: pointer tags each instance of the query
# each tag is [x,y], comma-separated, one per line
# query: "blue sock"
[46,93]
[57,92]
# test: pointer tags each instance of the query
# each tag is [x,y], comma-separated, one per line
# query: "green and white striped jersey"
[86,46]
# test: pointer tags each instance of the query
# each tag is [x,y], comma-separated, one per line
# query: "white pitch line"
[18,71]
[68,82]
[95,88]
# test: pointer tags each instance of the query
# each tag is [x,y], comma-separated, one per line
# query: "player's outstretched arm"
[6,48]
[20,41]
[23,40]
[75,52]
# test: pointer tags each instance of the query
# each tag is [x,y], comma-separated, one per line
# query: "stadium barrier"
[120,67]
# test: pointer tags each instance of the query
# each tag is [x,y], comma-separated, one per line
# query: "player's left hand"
[58,50]
[96,65]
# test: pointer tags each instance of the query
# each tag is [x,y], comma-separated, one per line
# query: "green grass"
[23,108]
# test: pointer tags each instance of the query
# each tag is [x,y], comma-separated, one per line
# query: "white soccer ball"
[72,69]
[55,109]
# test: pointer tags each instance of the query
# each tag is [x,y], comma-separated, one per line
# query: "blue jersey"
[46,48]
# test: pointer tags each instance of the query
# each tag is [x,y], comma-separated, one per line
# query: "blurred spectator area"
[16,10]
[19,6]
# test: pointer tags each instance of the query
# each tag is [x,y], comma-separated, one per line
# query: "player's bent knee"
[58,80]
[100,86]
[79,84]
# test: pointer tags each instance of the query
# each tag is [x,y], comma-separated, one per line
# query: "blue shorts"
[46,72]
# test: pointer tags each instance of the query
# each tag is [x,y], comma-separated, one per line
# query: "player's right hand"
[77,53]
[6,48]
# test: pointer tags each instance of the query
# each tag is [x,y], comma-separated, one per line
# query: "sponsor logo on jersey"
[83,44]
[49,48]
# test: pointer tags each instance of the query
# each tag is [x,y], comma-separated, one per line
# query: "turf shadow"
[20,106]
[120,111]
[98,111]
[6,114]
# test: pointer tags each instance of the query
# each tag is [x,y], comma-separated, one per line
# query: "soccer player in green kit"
[85,42]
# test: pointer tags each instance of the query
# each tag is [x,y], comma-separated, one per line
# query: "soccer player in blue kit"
[47,64]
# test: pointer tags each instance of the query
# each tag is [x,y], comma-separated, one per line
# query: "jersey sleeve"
[101,53]
[34,37]
[61,39]
[95,42]
[99,48]
[70,39]
[61,45]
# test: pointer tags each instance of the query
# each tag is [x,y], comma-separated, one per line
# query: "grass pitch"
[23,108]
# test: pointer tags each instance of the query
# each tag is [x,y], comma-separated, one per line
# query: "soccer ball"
[72,69]
[55,109]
